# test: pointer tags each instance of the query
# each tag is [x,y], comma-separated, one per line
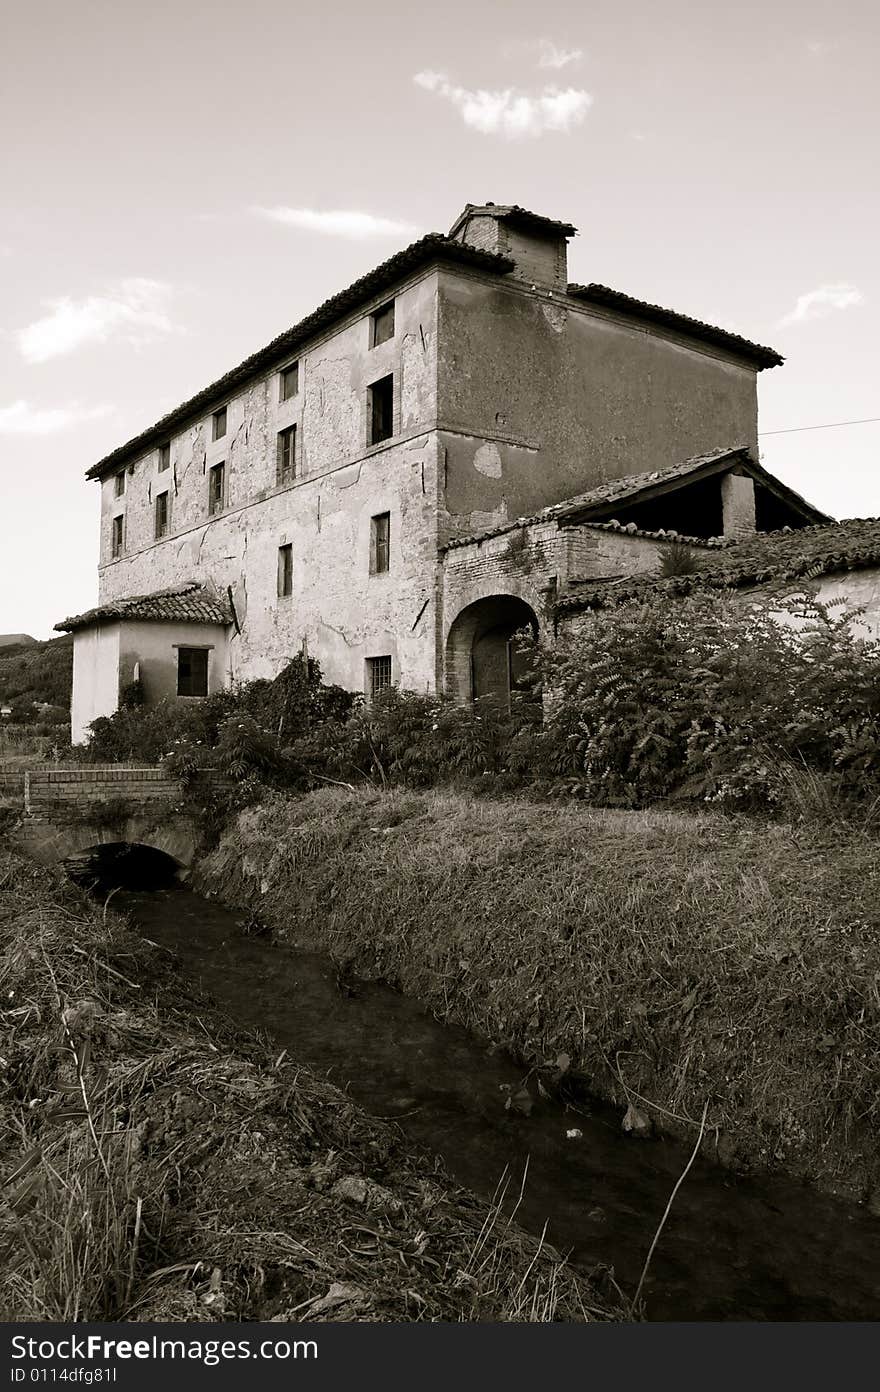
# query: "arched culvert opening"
[485,659]
[123,865]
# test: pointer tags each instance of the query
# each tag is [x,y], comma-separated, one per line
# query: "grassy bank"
[679,961]
[158,1166]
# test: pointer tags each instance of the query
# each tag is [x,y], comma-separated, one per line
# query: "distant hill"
[17,640]
[32,671]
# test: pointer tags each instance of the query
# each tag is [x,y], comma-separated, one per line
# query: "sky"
[182,181]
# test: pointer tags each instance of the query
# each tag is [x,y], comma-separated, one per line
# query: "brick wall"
[81,789]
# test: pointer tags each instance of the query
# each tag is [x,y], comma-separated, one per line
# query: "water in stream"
[732,1249]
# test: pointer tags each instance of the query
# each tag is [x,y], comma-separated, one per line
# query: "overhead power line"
[830,425]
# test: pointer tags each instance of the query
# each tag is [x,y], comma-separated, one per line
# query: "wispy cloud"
[133,310]
[23,419]
[815,304]
[339,222]
[550,55]
[510,112]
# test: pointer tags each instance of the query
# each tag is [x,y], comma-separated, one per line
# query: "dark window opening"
[286,470]
[380,405]
[218,424]
[285,570]
[289,381]
[118,535]
[192,671]
[216,488]
[378,675]
[691,511]
[382,324]
[773,513]
[380,543]
[164,458]
[161,515]
[119,485]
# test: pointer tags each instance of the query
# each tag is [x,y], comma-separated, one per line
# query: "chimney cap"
[514,216]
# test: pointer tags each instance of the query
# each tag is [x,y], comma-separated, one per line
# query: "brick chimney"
[537,245]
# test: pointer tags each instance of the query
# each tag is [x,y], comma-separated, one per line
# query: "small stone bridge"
[68,810]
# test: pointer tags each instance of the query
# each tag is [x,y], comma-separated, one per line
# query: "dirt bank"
[678,961]
[156,1165]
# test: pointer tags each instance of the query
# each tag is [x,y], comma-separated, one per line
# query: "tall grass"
[155,1165]
[674,958]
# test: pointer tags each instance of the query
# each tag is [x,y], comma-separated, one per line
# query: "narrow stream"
[732,1249]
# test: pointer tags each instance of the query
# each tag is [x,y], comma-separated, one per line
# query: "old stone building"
[435,457]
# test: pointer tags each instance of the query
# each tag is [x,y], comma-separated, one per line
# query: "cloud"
[23,419]
[357,226]
[815,304]
[550,56]
[510,112]
[134,310]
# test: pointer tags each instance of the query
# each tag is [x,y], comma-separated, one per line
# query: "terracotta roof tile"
[770,557]
[189,603]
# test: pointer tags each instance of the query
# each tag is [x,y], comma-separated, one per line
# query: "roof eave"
[598,511]
[603,297]
[721,464]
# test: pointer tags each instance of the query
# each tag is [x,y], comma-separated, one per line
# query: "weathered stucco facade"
[325,490]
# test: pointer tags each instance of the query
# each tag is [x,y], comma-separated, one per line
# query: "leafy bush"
[416,740]
[714,699]
[711,699]
[186,733]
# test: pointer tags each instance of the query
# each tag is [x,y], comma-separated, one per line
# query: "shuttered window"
[286,467]
[289,384]
[161,528]
[217,489]
[382,325]
[380,543]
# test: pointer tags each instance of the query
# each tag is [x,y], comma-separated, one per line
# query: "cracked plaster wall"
[568,398]
[337,608]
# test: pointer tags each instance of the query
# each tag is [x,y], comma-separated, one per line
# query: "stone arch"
[481,659]
[51,842]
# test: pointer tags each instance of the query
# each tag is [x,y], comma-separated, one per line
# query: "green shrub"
[415,740]
[711,699]
[186,734]
[714,699]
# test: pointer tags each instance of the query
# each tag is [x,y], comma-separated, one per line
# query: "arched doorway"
[484,660]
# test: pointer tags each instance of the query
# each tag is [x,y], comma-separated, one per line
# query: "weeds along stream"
[732,1248]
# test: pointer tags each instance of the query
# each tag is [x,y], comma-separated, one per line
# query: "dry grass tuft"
[157,1166]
